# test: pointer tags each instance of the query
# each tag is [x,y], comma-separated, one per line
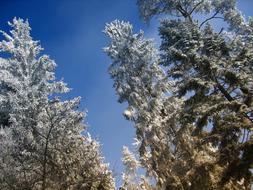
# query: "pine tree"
[131,180]
[129,176]
[42,146]
[194,119]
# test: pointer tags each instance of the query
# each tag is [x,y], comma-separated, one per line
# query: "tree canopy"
[191,102]
[42,145]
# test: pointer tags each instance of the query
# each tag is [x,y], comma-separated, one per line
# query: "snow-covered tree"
[41,142]
[143,84]
[193,120]
[130,177]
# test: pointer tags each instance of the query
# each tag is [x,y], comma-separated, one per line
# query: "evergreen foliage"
[191,103]
[40,135]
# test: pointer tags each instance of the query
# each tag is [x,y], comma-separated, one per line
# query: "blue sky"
[71,33]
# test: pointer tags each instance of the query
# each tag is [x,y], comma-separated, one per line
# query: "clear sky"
[71,33]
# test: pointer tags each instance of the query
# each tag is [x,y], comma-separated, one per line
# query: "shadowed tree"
[193,115]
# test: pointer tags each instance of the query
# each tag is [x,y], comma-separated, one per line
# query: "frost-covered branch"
[42,146]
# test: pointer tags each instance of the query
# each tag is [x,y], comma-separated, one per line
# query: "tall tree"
[197,132]
[41,142]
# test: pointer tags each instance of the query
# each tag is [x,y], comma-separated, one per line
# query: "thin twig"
[210,18]
[194,8]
